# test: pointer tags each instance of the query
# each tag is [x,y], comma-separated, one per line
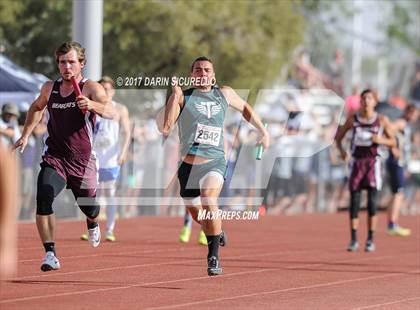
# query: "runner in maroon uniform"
[67,158]
[368,131]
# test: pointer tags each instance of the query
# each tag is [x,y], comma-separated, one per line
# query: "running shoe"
[94,236]
[213,266]
[50,262]
[185,234]
[353,246]
[399,231]
[110,236]
[370,246]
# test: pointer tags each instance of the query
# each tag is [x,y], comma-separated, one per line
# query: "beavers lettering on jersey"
[70,132]
[63,105]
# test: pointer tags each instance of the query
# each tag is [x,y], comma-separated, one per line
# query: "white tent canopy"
[18,85]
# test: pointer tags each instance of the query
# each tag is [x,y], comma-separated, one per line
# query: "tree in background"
[249,41]
[404,26]
[30,30]
[324,21]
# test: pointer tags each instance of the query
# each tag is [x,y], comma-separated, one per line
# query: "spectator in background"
[336,72]
[397,100]
[171,155]
[307,75]
[338,178]
[415,87]
[9,130]
[28,162]
[135,165]
[352,103]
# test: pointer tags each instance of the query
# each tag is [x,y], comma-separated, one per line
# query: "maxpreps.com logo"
[208,108]
[63,105]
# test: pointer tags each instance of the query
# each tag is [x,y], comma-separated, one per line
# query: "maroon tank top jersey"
[70,131]
[69,141]
[361,141]
[365,167]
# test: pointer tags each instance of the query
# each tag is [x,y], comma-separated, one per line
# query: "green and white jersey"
[201,123]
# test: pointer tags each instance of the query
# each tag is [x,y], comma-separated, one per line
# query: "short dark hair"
[107,79]
[201,58]
[365,92]
[67,47]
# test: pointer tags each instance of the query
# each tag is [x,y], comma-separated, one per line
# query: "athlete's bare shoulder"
[91,86]
[95,91]
[226,90]
[42,100]
[47,88]
[229,93]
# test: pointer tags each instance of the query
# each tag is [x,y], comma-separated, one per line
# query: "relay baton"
[260,149]
[76,89]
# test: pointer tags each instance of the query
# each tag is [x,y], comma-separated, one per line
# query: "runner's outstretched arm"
[248,113]
[34,116]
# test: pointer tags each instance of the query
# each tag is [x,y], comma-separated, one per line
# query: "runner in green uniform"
[200,113]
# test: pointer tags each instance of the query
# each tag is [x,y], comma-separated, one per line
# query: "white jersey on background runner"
[107,145]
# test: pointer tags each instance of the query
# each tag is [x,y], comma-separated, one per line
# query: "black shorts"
[396,175]
[189,176]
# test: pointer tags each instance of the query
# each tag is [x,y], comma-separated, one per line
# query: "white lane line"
[205,277]
[387,303]
[259,294]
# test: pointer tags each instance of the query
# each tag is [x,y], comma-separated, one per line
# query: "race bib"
[208,135]
[363,137]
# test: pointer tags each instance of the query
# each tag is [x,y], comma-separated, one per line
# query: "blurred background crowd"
[303,69]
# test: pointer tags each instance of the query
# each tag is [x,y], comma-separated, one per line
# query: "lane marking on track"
[275,291]
[206,277]
[54,274]
[106,254]
[153,244]
[386,303]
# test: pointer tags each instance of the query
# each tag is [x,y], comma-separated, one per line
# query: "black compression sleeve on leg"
[91,212]
[89,206]
[354,204]
[371,202]
[49,185]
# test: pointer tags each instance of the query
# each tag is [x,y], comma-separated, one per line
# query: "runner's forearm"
[32,120]
[171,112]
[103,110]
[250,115]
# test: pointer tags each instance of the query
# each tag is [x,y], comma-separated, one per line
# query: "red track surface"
[277,262]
